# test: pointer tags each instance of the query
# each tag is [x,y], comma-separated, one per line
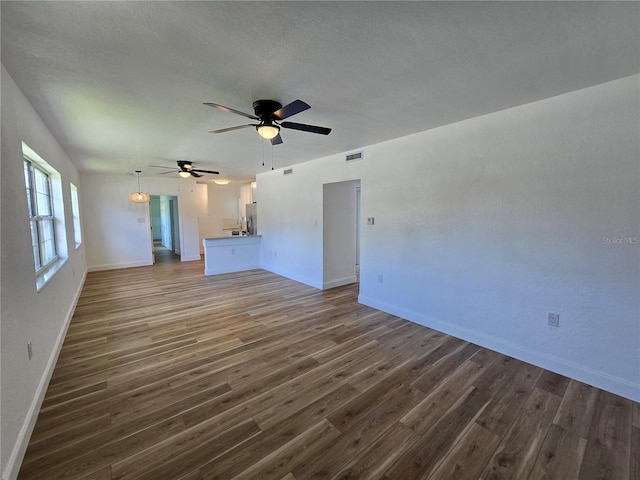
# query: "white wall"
[290,216]
[484,226]
[27,315]
[118,231]
[202,211]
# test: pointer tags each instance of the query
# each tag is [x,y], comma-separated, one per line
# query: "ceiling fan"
[270,114]
[186,170]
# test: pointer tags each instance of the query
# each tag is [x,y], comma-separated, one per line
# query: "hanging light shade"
[139,196]
[268,130]
[184,174]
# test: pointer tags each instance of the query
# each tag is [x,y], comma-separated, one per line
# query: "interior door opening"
[165,228]
[340,233]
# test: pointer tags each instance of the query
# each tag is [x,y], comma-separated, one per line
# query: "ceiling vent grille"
[352,157]
[287,171]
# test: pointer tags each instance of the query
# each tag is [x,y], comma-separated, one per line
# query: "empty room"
[320,240]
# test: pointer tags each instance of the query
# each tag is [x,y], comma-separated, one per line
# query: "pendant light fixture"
[139,196]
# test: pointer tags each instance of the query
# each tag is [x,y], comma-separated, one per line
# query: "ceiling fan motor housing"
[264,108]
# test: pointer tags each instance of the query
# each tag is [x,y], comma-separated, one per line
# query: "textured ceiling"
[121,84]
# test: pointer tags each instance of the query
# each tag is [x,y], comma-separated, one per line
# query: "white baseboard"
[190,259]
[15,459]
[339,282]
[116,266]
[230,269]
[569,369]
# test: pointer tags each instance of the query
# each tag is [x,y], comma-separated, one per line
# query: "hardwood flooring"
[167,374]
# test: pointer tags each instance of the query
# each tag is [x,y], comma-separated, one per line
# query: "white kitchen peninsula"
[231,254]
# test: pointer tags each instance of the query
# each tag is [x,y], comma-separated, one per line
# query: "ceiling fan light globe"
[268,131]
[184,174]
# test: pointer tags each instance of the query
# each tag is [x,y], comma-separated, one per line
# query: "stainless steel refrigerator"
[252,218]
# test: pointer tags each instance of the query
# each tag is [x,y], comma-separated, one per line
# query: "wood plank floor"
[167,374]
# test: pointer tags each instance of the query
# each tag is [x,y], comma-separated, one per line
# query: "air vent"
[352,157]
[288,171]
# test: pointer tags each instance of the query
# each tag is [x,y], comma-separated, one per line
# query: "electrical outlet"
[379,278]
[371,221]
[233,251]
[30,350]
[553,320]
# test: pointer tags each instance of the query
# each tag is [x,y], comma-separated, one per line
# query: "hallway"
[163,254]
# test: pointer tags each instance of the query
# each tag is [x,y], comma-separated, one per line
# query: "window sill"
[45,276]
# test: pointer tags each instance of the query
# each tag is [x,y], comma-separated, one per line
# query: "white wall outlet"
[30,350]
[380,278]
[371,221]
[553,320]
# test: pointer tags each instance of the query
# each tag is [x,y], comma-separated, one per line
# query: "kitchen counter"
[231,254]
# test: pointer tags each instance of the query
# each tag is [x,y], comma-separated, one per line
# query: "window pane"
[42,181]
[43,198]
[35,244]
[75,208]
[47,240]
[27,183]
[44,204]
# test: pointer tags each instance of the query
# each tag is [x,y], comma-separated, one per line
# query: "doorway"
[340,233]
[165,228]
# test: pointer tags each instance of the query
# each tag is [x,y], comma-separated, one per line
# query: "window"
[43,238]
[46,216]
[75,208]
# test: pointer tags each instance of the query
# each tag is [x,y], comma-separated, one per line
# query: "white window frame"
[40,222]
[75,210]
[45,272]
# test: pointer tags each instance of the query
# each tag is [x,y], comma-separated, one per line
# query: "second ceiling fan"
[186,170]
[270,114]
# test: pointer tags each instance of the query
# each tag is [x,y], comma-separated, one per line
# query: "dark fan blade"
[173,170]
[161,166]
[194,174]
[287,111]
[230,129]
[231,110]
[277,140]
[306,128]
[205,171]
